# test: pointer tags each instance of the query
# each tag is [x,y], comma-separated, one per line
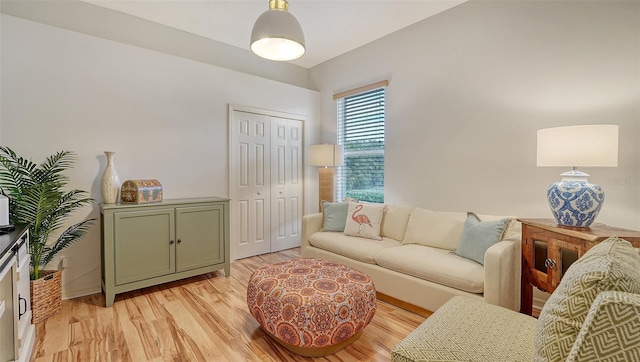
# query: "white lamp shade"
[585,145]
[277,35]
[326,155]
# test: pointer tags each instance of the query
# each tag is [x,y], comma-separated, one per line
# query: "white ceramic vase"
[110,183]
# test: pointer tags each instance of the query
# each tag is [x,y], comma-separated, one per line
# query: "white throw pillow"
[364,219]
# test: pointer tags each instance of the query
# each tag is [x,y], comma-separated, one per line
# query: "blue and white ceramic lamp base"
[574,201]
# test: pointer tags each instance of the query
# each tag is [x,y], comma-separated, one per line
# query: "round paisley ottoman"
[312,307]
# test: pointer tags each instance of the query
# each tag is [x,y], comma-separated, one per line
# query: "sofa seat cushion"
[435,265]
[353,247]
[465,329]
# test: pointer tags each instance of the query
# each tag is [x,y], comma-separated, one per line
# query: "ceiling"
[331,27]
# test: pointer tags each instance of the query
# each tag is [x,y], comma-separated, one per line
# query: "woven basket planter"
[46,295]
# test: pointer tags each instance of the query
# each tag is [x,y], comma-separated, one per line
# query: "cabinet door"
[562,254]
[23,299]
[144,244]
[200,236]
[8,313]
[550,259]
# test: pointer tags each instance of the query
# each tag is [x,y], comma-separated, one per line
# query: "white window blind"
[361,118]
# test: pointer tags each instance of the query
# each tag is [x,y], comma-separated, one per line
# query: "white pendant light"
[277,35]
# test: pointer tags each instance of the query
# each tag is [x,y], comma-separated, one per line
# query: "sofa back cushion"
[435,228]
[394,221]
[612,265]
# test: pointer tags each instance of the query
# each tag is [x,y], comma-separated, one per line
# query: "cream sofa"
[414,262]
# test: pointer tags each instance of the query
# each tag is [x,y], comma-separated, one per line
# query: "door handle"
[179,241]
[171,242]
[259,193]
[21,311]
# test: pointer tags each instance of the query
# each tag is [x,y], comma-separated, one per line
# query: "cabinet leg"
[526,298]
[227,270]
[109,298]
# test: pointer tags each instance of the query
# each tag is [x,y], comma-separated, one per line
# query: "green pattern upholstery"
[593,315]
[611,331]
[466,329]
[612,265]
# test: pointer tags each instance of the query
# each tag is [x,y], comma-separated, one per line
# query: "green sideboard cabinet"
[149,244]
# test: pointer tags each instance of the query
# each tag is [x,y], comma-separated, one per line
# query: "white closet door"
[250,176]
[286,183]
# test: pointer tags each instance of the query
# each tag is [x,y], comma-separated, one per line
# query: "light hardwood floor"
[204,318]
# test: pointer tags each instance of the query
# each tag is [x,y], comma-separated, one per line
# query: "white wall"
[164,116]
[470,86]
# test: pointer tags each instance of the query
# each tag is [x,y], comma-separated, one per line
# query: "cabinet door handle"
[179,241]
[551,264]
[171,242]
[21,311]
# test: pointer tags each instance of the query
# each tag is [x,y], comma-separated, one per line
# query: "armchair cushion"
[465,329]
[612,265]
[610,332]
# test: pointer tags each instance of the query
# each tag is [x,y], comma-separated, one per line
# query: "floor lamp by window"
[327,157]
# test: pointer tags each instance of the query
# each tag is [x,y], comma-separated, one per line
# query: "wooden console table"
[548,249]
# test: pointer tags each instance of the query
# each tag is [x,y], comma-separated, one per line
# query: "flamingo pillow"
[364,220]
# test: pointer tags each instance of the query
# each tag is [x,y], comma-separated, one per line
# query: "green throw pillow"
[478,236]
[335,215]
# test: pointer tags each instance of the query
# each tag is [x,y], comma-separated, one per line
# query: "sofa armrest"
[610,330]
[502,269]
[311,223]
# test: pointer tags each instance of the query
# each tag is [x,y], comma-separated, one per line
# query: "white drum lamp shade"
[277,34]
[327,157]
[573,200]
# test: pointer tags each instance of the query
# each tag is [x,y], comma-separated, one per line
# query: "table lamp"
[575,201]
[327,157]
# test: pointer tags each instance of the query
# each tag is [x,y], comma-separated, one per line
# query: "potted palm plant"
[37,197]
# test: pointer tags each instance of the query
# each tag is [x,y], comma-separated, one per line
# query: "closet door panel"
[250,168]
[286,183]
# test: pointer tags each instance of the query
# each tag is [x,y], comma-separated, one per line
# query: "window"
[361,115]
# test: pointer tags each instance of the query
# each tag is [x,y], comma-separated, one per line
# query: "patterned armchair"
[593,315]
